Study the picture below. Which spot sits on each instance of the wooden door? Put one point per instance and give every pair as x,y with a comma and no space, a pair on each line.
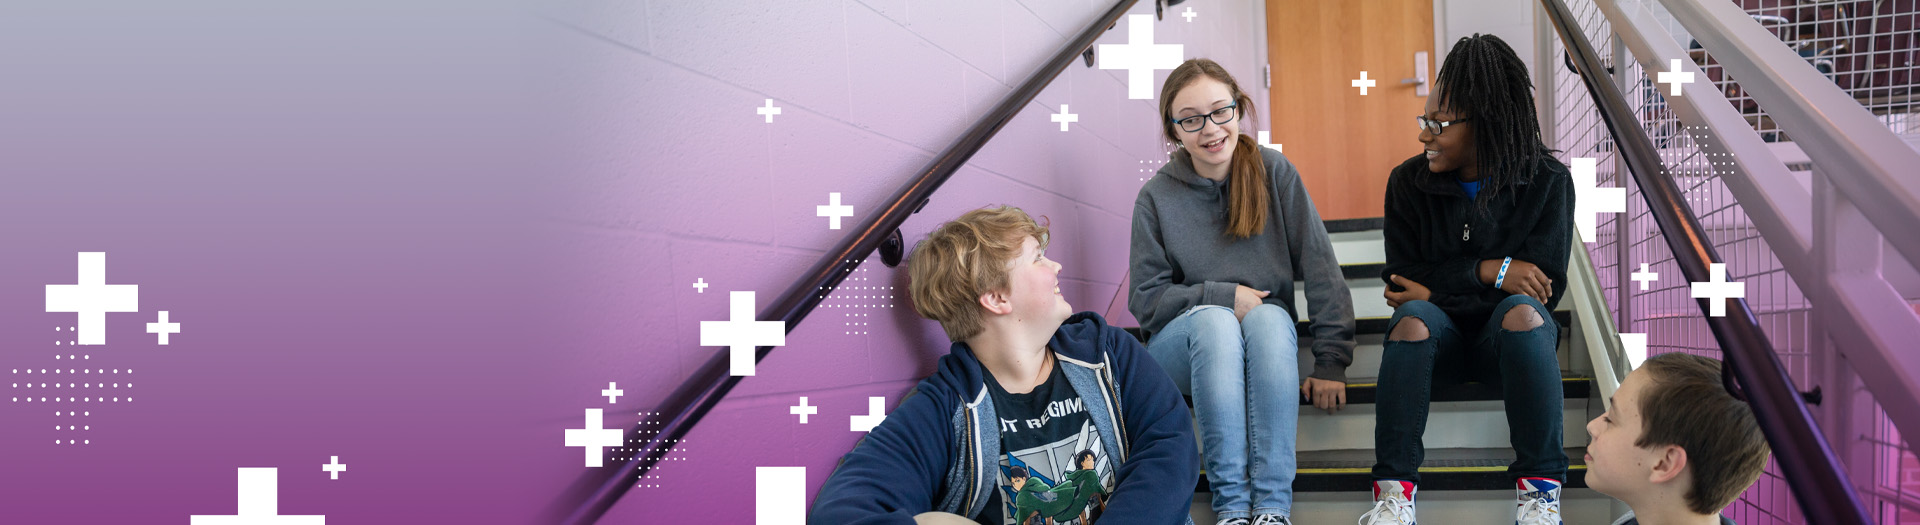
1345,143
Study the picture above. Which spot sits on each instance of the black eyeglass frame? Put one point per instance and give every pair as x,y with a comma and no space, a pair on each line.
1436,127
1204,117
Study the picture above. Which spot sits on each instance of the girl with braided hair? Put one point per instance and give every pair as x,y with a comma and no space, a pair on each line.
1477,234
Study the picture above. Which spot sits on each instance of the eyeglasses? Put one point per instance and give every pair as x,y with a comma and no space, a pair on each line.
1437,126
1219,116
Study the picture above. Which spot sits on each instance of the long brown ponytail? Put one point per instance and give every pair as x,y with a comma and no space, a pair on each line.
1248,194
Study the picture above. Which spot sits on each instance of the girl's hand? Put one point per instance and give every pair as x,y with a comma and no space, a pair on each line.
1415,291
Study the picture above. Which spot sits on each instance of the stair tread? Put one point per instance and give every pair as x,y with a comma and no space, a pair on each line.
1355,225
1443,469
1363,390
1369,326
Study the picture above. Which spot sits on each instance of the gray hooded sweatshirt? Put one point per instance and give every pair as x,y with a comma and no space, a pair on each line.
1182,256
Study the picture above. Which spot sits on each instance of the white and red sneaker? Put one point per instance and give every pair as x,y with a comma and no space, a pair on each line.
1538,502
1392,503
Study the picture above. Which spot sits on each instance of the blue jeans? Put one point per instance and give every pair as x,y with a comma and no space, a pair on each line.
1524,364
1244,377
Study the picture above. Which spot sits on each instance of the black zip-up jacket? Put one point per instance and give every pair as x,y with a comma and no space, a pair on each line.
1437,237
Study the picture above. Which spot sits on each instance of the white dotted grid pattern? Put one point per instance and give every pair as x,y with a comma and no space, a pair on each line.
651,481
853,294
101,383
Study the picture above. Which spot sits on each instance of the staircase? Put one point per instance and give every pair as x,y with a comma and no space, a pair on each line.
1464,477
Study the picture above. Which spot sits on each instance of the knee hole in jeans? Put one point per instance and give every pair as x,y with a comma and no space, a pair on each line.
1409,329
1521,318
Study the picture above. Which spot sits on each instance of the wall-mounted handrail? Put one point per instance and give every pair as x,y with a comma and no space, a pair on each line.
589,497
1818,483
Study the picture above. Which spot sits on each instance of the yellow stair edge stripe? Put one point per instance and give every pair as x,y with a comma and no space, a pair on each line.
1357,385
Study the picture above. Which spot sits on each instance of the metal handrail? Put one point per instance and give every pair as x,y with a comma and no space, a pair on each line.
588,498
1819,484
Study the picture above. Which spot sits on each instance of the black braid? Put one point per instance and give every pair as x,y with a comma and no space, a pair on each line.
1483,79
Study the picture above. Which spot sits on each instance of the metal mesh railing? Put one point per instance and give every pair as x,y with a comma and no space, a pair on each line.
1666,310
1869,48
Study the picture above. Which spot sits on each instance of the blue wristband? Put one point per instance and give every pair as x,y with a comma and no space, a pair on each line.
1502,279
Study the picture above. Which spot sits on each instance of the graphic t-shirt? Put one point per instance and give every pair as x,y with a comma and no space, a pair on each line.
1052,448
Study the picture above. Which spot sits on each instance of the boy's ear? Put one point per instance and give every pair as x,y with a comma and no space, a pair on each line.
1671,461
997,302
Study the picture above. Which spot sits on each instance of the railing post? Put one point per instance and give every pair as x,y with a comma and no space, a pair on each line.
1843,241
1623,232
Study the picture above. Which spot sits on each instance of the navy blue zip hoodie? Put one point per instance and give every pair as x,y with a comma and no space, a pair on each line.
940,449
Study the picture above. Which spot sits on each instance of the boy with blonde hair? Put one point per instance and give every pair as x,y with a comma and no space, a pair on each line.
1027,387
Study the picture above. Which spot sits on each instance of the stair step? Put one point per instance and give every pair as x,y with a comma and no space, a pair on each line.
1577,507
1355,225
1369,326
1445,469
1362,391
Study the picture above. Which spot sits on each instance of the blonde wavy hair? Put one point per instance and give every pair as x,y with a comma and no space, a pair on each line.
964,259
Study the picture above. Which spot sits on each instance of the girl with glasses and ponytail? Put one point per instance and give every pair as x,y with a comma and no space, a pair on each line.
1220,235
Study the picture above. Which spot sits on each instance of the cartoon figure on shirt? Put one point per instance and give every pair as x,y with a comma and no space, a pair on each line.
1034,501
1085,482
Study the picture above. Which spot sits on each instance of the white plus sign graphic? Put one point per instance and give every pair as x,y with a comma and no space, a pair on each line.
259,503
833,211
1266,141
803,410
1063,117
91,297
876,412
1645,277
612,392
334,467
1673,77
741,334
163,327
768,111
1718,290
1140,56
1363,83
594,437
700,285
1636,347
1590,200
1189,14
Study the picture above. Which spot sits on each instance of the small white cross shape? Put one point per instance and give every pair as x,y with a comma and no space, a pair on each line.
741,334
1645,277
612,392
1063,117
700,285
1189,14
803,410
1363,83
768,111
833,210
594,437
163,327
1673,77
1717,290
334,467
